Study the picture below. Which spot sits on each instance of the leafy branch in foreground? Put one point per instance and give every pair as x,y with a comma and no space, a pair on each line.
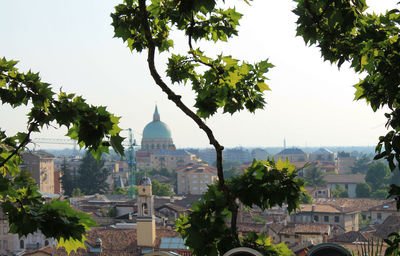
344,31
221,82
93,127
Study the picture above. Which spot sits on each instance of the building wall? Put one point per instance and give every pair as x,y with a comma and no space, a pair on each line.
42,170
292,157
194,183
348,221
171,162
344,164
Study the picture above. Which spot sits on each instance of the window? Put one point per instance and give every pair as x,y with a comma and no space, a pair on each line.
21,244
336,219
5,244
379,215
346,186
286,236
316,218
5,229
326,218
46,243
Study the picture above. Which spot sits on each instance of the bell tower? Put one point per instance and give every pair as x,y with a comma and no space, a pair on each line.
146,225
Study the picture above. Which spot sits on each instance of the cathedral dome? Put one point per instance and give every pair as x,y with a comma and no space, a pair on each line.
156,129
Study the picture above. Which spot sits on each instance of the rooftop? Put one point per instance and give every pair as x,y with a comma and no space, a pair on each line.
306,228
345,178
197,169
291,151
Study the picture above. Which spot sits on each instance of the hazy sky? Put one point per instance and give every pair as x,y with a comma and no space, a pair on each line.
71,44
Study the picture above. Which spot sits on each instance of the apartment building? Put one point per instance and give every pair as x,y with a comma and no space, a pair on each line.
343,218
41,165
193,179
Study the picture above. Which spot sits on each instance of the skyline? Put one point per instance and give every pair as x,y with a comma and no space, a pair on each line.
311,102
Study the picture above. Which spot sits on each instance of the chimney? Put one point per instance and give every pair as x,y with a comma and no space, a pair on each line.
325,238
341,208
313,207
172,199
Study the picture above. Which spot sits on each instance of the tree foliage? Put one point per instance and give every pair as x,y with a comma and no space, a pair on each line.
378,175
92,175
93,127
314,177
363,190
340,192
344,31
161,189
361,165
222,82
67,180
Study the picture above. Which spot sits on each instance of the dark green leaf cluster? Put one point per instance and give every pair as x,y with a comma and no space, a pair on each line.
370,42
269,183
93,127
265,184
219,83
28,212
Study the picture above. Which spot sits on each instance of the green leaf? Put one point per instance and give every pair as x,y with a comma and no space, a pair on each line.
263,87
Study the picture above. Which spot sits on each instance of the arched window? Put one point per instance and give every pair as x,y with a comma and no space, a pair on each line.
21,244
145,210
46,243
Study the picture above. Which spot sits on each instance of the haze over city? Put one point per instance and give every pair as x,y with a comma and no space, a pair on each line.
71,44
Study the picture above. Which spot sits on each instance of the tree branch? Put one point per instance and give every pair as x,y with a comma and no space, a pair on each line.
177,100
21,145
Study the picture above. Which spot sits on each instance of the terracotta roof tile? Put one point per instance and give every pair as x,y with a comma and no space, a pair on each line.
345,178
305,228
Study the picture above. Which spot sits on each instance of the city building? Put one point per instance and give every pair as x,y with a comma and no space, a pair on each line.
259,154
292,154
145,221
344,162
342,218
156,137
11,244
240,155
41,165
172,159
323,155
347,181
193,179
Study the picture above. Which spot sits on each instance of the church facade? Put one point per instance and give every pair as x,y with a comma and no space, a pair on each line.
156,137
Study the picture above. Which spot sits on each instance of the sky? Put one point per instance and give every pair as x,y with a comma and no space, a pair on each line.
71,44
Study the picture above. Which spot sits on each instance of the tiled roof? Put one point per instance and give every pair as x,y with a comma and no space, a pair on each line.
291,151
118,242
388,206
361,204
197,169
305,228
323,151
301,247
389,225
276,227
319,208
345,178
40,153
173,206
352,236
178,152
